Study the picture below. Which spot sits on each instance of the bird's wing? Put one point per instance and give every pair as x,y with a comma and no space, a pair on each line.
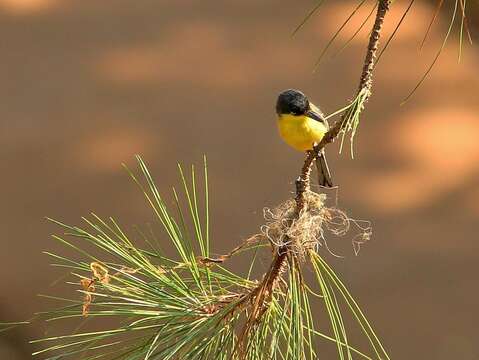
316,114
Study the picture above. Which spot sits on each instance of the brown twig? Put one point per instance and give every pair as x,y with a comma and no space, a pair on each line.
208,261
259,297
365,84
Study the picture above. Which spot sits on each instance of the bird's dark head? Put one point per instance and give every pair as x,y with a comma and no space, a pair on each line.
292,102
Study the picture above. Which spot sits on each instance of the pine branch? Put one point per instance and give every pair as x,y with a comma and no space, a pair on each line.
259,297
187,309
364,92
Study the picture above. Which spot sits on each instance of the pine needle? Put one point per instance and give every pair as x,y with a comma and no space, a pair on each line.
395,30
358,30
307,17
464,25
179,307
336,34
433,20
446,37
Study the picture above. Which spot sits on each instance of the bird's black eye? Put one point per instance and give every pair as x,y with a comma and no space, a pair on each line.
296,110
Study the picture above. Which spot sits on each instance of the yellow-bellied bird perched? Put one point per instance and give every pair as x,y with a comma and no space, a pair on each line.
302,125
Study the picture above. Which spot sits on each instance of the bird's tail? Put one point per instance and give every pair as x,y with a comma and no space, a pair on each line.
324,176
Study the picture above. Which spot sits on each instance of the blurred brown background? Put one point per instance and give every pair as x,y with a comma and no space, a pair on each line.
85,85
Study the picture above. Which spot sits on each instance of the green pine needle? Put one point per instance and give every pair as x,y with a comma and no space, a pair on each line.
176,307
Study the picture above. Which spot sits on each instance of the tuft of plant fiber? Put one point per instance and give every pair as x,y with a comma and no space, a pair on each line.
308,230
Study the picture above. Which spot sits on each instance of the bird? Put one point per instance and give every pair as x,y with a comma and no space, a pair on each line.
302,125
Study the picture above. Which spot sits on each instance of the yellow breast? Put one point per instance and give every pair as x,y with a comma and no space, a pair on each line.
300,132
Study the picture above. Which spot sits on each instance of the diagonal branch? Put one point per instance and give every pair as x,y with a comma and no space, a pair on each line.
257,300
365,84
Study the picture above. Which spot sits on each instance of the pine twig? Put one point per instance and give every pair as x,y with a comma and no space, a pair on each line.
365,84
303,182
258,298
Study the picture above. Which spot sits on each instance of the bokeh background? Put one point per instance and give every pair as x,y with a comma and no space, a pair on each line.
85,85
